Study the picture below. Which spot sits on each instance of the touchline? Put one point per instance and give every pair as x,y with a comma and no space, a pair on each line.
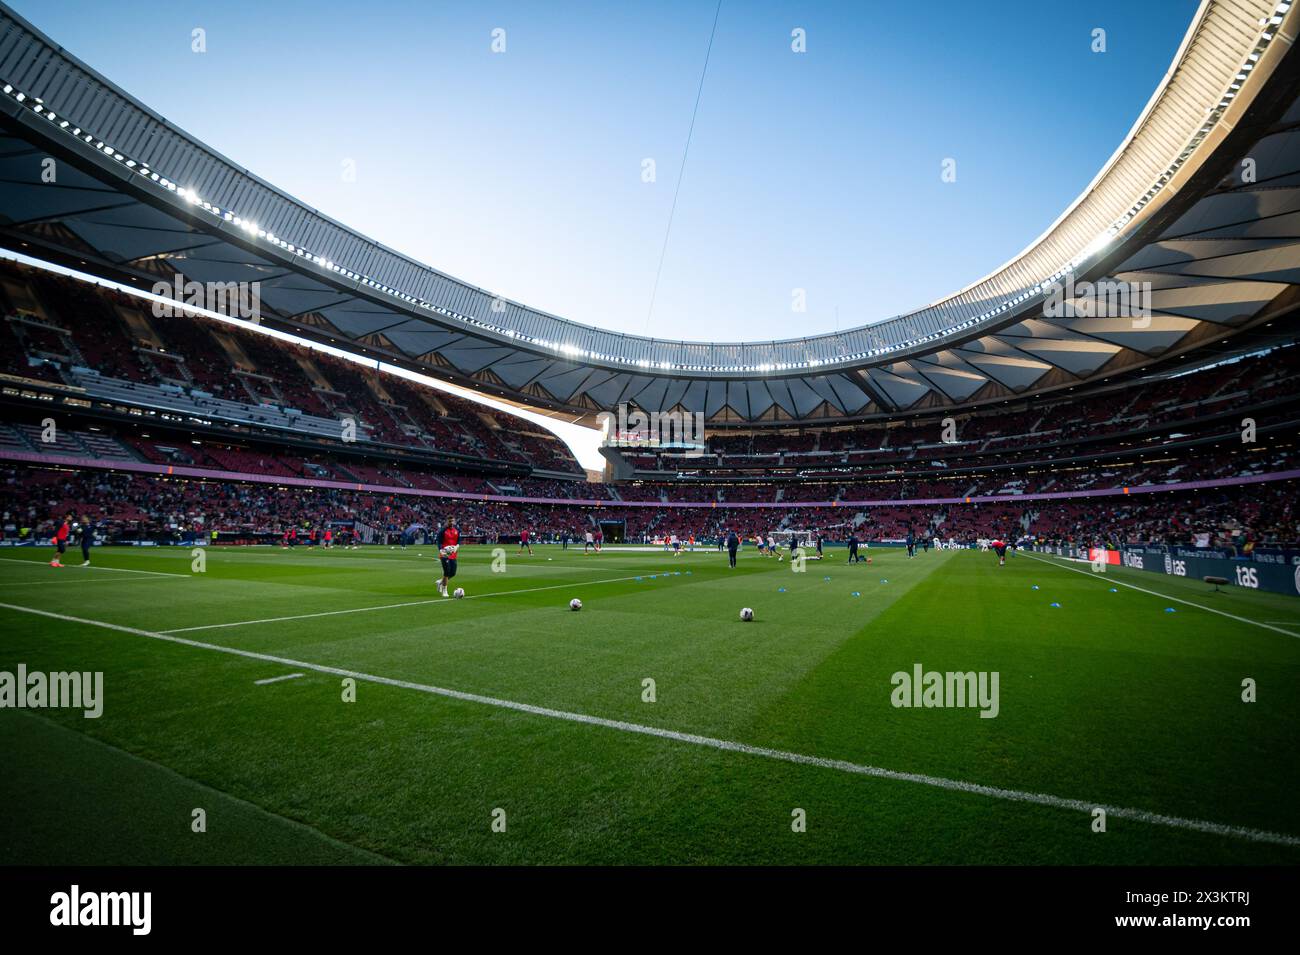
34,690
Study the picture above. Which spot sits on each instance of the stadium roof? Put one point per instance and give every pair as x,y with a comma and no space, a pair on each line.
1197,213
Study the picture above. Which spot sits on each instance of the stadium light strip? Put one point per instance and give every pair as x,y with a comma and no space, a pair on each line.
568,349
583,442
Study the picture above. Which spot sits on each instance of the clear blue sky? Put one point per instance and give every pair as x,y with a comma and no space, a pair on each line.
521,171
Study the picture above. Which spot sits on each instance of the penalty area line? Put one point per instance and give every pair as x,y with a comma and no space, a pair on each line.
278,679
1156,593
408,603
120,570
74,579
858,769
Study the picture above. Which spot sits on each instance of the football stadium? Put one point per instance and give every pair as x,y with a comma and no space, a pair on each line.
313,554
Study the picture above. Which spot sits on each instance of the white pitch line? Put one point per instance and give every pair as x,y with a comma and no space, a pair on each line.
1156,593
937,782
120,570
73,579
409,603
277,679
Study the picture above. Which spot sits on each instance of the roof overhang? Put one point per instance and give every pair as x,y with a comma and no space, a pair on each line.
1170,216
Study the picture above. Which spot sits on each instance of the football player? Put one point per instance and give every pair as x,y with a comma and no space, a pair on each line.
448,547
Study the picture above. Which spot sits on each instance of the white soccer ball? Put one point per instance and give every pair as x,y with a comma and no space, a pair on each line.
746,614
575,604
458,592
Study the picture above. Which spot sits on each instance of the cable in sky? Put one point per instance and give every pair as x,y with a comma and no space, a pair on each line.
681,173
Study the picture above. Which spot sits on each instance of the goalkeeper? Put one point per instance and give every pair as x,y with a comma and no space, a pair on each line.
448,546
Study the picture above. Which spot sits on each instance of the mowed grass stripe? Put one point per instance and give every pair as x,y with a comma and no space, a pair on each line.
75,565
1105,693
716,674
414,603
955,785
332,582
1155,593
414,777
142,811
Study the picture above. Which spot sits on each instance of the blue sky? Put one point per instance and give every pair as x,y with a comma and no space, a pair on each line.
522,171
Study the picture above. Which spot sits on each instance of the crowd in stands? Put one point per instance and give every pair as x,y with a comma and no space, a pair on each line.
53,327
114,445
1164,430
54,324
1200,404
152,507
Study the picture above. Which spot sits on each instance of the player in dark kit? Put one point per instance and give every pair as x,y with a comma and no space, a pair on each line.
86,538
448,546
1000,548
853,548
733,545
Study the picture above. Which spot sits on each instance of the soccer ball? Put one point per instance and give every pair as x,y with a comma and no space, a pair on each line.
746,614
458,592
575,604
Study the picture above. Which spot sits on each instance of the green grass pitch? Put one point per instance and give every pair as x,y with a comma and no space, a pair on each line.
1105,700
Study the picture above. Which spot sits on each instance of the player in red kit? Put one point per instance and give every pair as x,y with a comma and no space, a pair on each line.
60,540
448,546
524,542
1000,548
